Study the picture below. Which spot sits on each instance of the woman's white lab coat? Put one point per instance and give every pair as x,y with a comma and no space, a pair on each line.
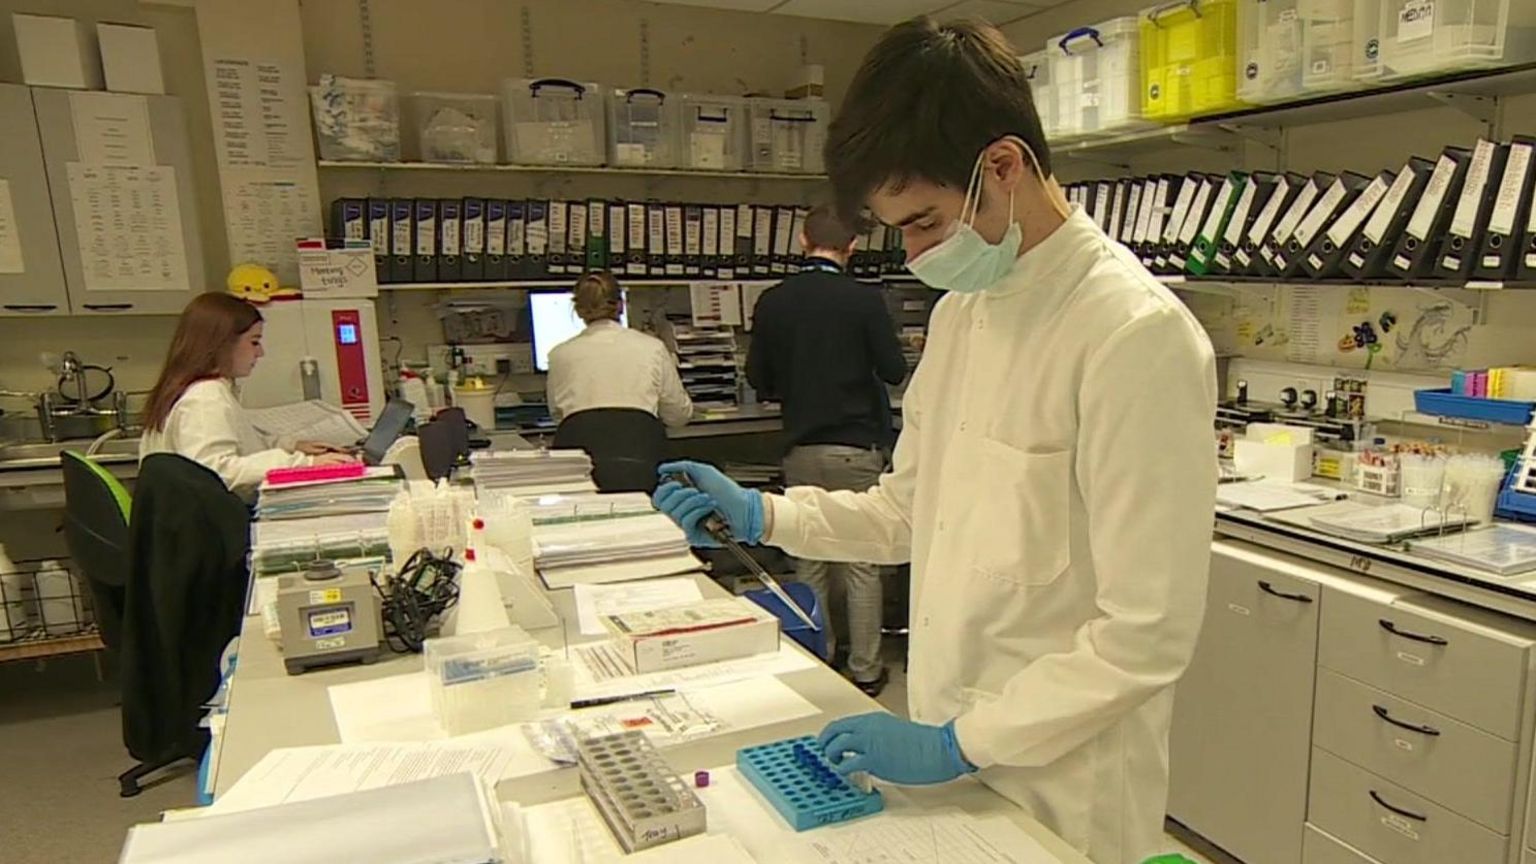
1053,488
208,425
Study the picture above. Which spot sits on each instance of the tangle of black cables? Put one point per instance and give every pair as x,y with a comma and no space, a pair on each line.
419,590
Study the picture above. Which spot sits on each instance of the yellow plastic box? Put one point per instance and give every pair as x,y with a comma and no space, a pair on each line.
1188,59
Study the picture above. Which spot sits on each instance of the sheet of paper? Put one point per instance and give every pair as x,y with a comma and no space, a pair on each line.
128,227
1268,497
715,305
10,240
291,774
398,708
267,209
1305,324
601,670
750,294
112,129
255,123
571,832
313,420
290,531
620,571
593,601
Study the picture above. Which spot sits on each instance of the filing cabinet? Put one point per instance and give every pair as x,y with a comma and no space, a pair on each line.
1320,848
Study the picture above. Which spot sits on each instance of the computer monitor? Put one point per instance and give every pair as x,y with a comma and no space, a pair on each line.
554,321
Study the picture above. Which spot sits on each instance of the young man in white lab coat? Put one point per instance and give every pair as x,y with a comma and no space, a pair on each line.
1054,479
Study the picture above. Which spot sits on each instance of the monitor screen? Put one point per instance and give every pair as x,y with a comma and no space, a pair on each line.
554,321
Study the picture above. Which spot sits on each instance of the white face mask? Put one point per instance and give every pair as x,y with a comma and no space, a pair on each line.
964,262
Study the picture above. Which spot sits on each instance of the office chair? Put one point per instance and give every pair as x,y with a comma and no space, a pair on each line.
96,507
187,579
626,446
444,442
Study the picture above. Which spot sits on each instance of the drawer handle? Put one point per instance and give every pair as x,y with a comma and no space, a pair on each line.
1411,727
1270,589
1409,814
1417,637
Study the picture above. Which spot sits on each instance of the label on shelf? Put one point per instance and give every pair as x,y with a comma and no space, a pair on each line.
1234,234
1382,218
1503,219
1434,193
1267,216
1344,226
1465,220
1416,20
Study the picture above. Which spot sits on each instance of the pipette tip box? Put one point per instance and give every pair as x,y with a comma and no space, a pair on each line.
800,784
707,631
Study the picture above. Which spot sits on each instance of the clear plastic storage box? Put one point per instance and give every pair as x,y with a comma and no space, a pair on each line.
1188,59
1423,37
786,135
553,121
356,119
1338,39
455,127
1095,76
482,680
713,132
1037,71
642,129
1269,50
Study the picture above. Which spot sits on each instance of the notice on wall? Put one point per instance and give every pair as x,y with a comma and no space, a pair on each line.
112,129
258,122
128,227
10,241
266,210
750,294
716,305
1305,325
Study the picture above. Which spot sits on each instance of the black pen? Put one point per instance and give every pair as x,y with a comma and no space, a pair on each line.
610,700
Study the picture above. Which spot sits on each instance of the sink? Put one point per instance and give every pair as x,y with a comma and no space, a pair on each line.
47,453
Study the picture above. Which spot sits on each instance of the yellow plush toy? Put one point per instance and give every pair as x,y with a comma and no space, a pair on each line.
257,284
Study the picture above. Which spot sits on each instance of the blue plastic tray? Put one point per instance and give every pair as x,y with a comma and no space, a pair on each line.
800,784
1444,403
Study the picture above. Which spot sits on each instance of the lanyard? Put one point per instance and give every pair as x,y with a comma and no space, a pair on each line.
821,265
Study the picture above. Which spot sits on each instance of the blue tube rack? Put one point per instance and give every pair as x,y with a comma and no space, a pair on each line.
800,784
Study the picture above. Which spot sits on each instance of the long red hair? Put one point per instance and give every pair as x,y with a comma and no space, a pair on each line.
205,338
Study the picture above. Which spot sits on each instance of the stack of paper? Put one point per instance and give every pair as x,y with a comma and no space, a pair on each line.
314,420
1384,524
444,820
284,545
1265,497
1503,549
636,542
535,470
370,493
587,506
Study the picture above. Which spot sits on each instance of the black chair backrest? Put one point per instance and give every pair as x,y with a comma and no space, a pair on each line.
97,535
626,446
444,442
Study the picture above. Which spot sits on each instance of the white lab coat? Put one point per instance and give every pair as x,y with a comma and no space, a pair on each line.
209,426
608,365
1053,488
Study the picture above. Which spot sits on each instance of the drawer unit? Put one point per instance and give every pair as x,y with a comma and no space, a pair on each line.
1320,848
1387,822
1463,662
1461,768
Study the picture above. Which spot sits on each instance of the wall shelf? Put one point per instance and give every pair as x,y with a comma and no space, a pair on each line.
556,169
627,282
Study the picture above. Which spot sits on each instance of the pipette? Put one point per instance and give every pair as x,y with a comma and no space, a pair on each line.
714,525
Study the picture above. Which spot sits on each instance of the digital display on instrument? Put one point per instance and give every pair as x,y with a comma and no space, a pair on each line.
346,334
330,621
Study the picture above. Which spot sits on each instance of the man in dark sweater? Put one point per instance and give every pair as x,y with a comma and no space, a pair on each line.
823,344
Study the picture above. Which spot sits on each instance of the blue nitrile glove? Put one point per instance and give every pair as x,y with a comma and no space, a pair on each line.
894,749
712,492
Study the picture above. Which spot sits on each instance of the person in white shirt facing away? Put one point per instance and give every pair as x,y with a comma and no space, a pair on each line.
194,409
607,365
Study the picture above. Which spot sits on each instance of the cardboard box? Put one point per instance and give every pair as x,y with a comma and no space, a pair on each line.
57,52
130,58
705,632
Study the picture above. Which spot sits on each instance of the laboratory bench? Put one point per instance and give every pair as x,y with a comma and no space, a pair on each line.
267,709
1356,704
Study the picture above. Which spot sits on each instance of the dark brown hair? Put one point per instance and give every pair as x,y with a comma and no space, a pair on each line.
597,296
824,230
205,337
925,102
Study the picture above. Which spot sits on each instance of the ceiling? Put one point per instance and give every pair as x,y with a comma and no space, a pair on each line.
998,12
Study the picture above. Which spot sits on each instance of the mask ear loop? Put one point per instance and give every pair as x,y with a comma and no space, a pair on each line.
973,188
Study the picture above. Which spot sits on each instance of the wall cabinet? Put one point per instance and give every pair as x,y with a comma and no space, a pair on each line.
31,274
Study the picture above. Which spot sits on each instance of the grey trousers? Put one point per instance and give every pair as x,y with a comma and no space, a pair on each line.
833,466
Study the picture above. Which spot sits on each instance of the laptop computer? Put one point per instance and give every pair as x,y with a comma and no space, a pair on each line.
386,430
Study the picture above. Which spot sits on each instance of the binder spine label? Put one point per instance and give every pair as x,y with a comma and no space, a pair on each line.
1505,206
1266,217
1234,233
1434,194
1465,220
1196,212
1381,219
1309,226
1344,226
1181,207
1293,216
